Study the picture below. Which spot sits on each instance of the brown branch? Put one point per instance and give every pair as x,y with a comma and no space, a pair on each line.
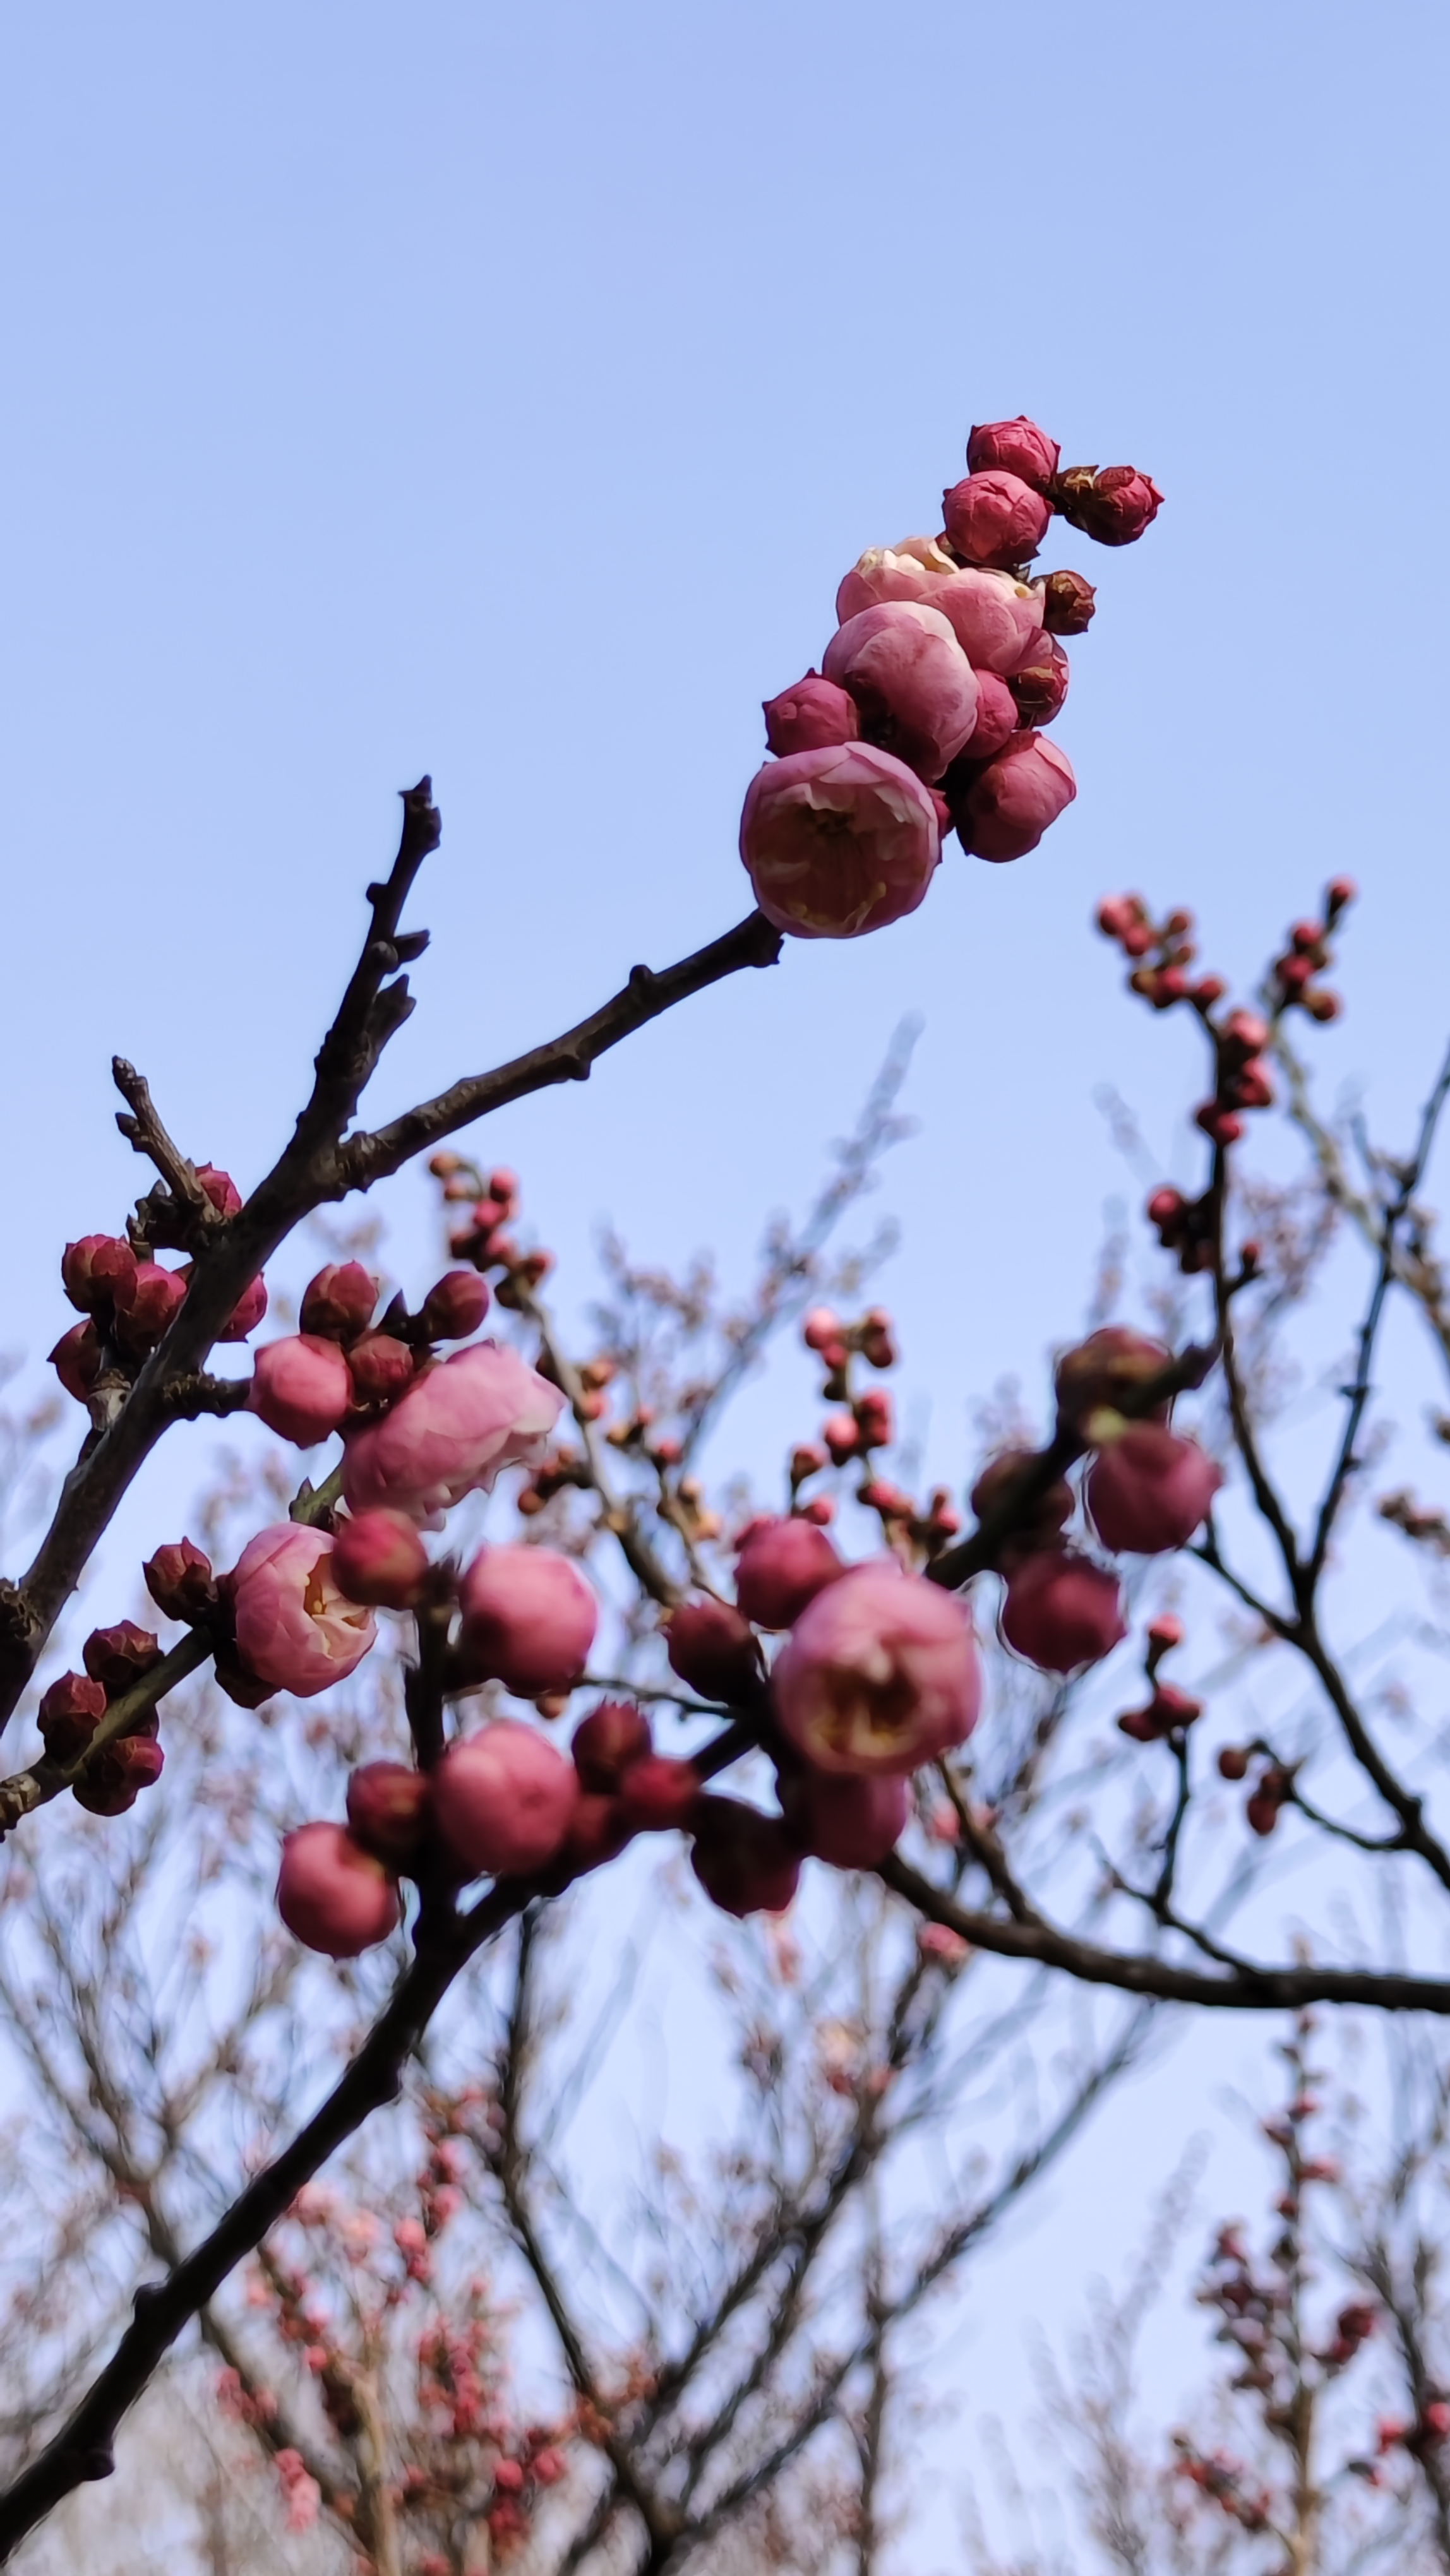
1252,1988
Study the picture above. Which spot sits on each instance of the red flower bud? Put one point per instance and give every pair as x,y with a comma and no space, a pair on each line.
597,1832
378,1557
783,1565
996,519
220,1188
657,1795
1233,1762
811,716
1039,688
332,1895
179,1580
1115,506
1062,1612
1149,1489
69,1714
301,1388
1015,447
820,1329
113,1781
1106,1369
380,1367
613,1737
387,1810
746,1863
455,1307
76,1359
247,1313
92,1270
120,1656
146,1299
712,1648
1068,603
842,1435
850,1821
338,1304
504,1800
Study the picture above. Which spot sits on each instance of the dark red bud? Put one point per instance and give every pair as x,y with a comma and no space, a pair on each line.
606,1743
455,1307
69,1713
380,1367
179,1580
715,1650
339,1302
118,1657
220,1188
1068,603
92,1270
76,1359
387,1810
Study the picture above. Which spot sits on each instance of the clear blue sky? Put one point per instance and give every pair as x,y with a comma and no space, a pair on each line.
502,393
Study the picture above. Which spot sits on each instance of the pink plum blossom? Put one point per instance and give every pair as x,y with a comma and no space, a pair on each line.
910,570
459,1424
332,1895
529,1619
301,1388
295,1629
839,841
1005,808
503,1800
1148,1489
879,1673
912,683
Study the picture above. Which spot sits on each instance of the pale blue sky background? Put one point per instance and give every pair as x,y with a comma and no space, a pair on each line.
504,393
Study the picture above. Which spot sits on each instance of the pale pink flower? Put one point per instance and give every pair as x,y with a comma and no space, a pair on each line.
454,1431
295,1629
879,1673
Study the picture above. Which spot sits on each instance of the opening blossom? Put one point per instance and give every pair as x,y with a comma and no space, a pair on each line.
457,1427
838,841
295,1629
879,1673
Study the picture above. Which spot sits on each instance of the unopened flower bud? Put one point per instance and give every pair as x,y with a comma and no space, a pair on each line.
76,1359
220,1188
995,519
783,1565
613,1737
180,1581
842,1436
529,1619
378,1557
999,715
1339,892
301,1388
811,716
455,1306
380,1367
1002,810
1111,1365
1115,506
1062,1612
146,1299
114,1779
1016,447
658,1796
1068,603
247,1313
69,1713
332,1895
746,1863
1243,1034
820,1328
1039,688
387,1810
840,1817
914,687
715,1650
338,1304
1149,1489
120,1656
92,1270
1001,1486
1233,1762
503,1800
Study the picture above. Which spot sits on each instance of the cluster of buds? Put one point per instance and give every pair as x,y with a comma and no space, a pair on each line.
127,1299
927,713
1306,954
110,1781
1273,1786
1146,1490
1168,1710
341,1369
492,1200
863,1423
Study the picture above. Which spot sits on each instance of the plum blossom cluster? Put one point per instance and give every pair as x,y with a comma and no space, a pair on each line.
127,1298
928,713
